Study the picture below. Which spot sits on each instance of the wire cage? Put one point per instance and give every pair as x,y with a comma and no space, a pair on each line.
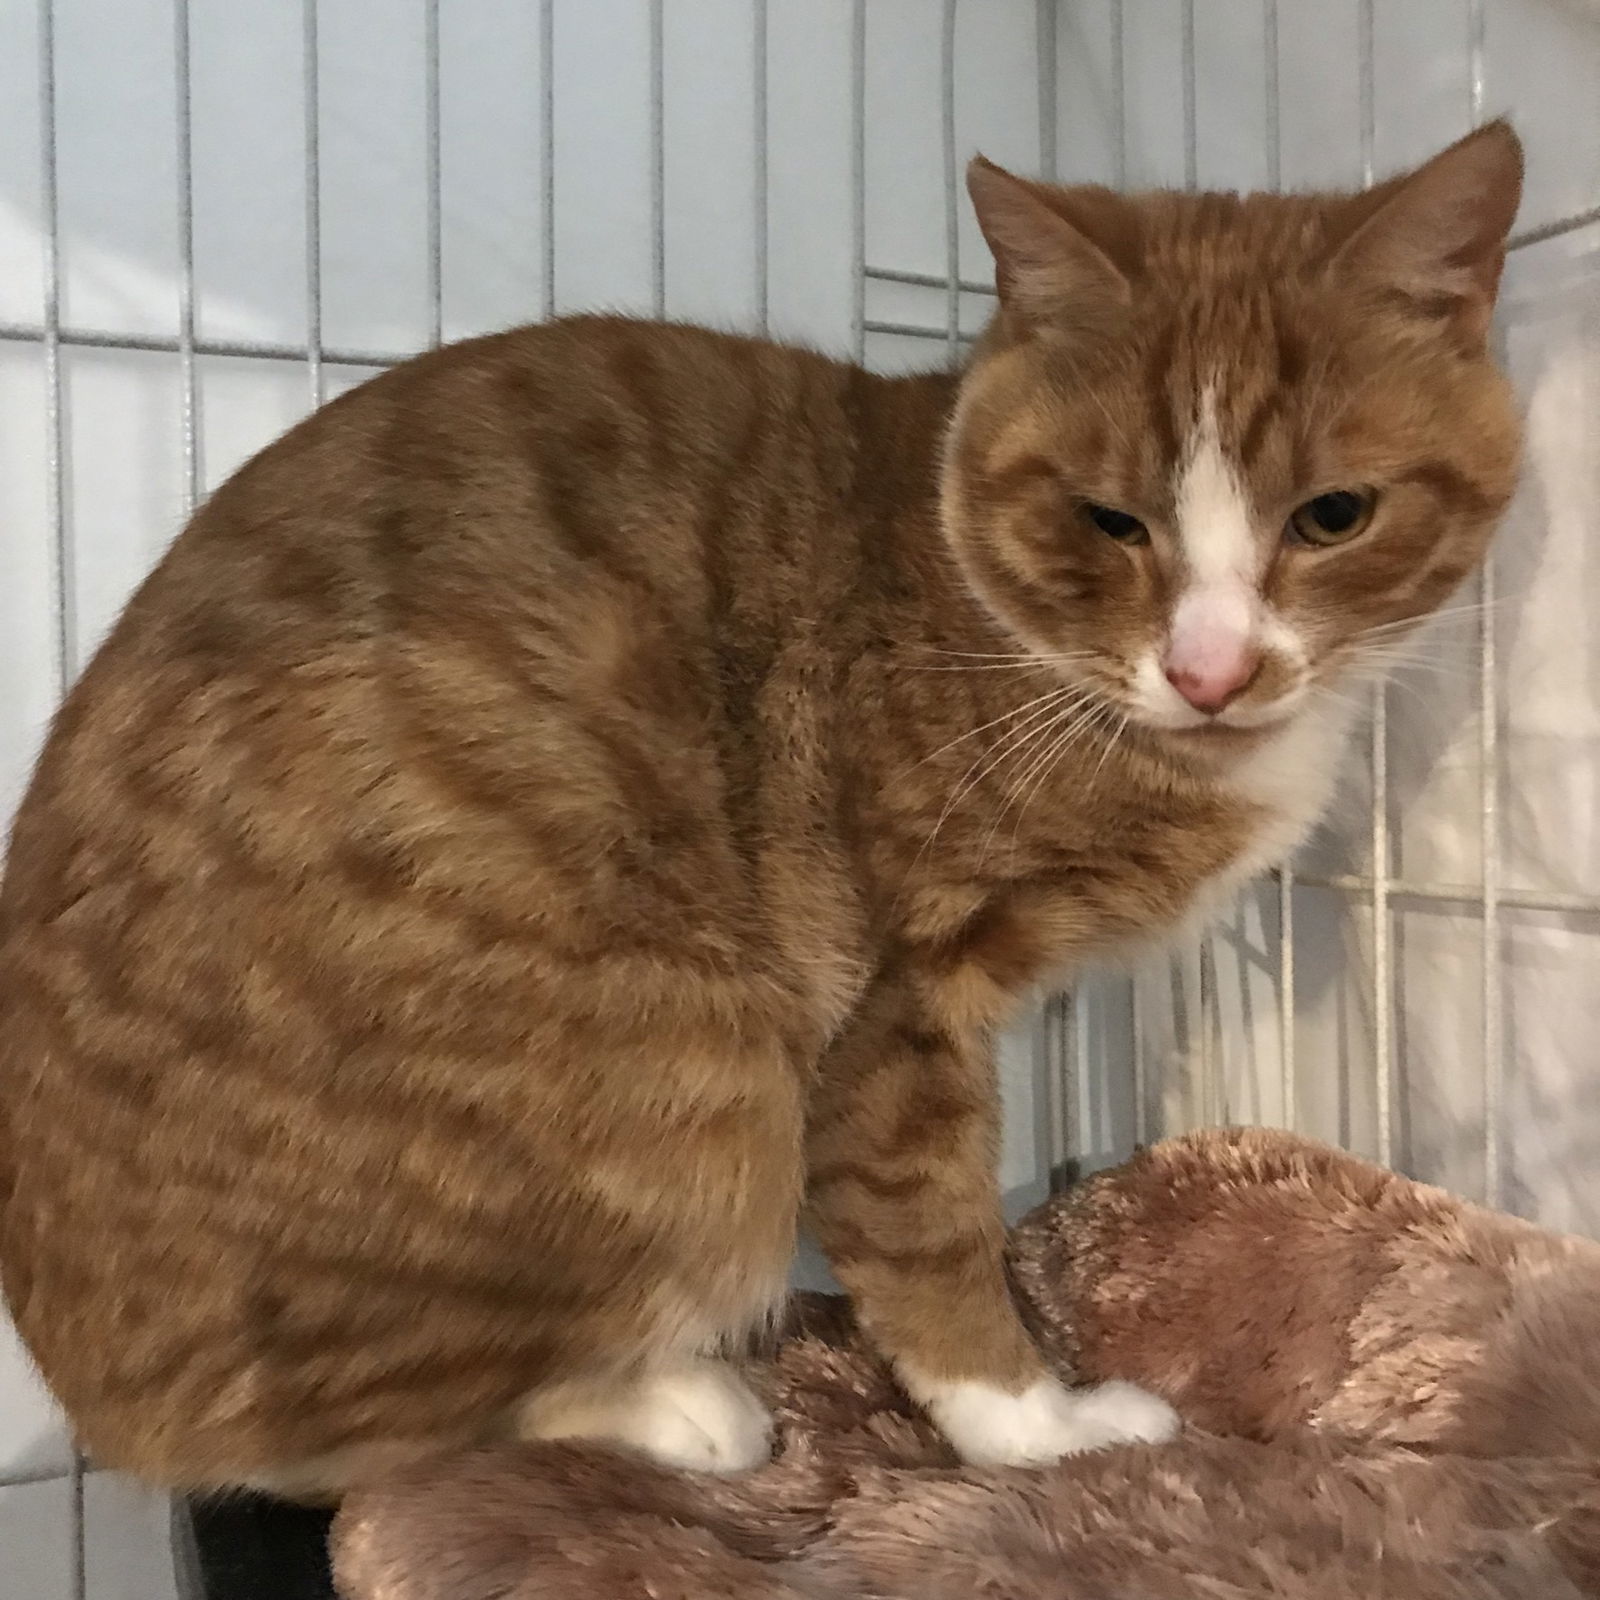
215,214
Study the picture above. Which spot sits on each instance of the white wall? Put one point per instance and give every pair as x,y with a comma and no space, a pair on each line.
124,483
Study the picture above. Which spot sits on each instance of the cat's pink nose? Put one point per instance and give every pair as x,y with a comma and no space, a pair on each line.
1214,683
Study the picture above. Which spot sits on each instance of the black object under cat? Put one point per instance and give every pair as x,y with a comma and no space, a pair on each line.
249,1547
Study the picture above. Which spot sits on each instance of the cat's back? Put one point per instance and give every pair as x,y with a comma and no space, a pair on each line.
473,652
550,452
592,514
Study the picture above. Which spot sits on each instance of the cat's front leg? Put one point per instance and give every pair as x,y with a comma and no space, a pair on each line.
902,1195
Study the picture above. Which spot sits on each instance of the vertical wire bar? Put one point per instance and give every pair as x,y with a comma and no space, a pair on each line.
547,146
1489,777
1079,1126
952,212
1119,97
1141,1080
1217,1105
1060,1117
188,420
435,174
1382,975
1054,1119
1365,48
1286,1000
1206,1093
311,91
1191,136
1288,1086
658,161
1210,1090
63,576
77,1524
762,176
1061,1017
1382,978
1119,170
858,176
1269,34
1045,35
1060,1008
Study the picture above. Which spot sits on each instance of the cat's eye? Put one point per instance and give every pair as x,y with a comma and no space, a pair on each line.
1331,518
1119,525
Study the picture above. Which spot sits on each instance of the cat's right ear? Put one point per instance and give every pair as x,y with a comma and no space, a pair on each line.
1436,237
1047,267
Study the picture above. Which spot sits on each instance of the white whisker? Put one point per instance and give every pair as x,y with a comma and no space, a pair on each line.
987,761
1111,742
1010,655
992,666
1050,695
1029,784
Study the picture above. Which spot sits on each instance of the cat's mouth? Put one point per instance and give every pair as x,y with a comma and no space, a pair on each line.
1227,734
1238,728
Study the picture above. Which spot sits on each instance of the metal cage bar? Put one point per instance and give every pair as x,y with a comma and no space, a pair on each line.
547,148
952,194
1489,770
1288,1087
1046,46
433,226
1382,964
188,405
1271,95
858,175
1211,1096
311,90
41,333
658,160
1119,96
763,182
63,576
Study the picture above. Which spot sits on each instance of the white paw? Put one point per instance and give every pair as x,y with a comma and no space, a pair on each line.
701,1418
989,1427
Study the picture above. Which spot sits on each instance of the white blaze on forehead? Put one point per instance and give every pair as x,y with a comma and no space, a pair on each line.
1218,608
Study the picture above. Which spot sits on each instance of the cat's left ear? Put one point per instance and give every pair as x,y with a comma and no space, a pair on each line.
1437,236
1049,246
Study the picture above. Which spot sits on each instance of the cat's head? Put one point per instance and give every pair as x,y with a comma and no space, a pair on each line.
1210,444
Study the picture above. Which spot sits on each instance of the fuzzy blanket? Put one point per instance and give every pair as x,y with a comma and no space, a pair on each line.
1388,1393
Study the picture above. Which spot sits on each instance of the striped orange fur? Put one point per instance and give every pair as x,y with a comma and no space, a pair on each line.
587,797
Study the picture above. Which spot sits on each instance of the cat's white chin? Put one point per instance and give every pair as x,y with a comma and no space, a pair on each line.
1046,1421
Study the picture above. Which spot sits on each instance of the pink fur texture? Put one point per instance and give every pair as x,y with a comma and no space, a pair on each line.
1389,1393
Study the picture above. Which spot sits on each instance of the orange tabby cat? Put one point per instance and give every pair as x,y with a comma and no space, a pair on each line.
593,792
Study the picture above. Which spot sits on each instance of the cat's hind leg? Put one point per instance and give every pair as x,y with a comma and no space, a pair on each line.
696,1414
709,1177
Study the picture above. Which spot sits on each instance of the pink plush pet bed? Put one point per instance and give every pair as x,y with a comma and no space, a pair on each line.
1389,1394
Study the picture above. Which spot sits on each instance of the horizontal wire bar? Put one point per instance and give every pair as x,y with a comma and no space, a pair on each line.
925,280
1453,893
914,330
28,1479
164,344
1554,230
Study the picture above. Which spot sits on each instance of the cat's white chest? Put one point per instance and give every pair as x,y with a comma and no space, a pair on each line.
1289,781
